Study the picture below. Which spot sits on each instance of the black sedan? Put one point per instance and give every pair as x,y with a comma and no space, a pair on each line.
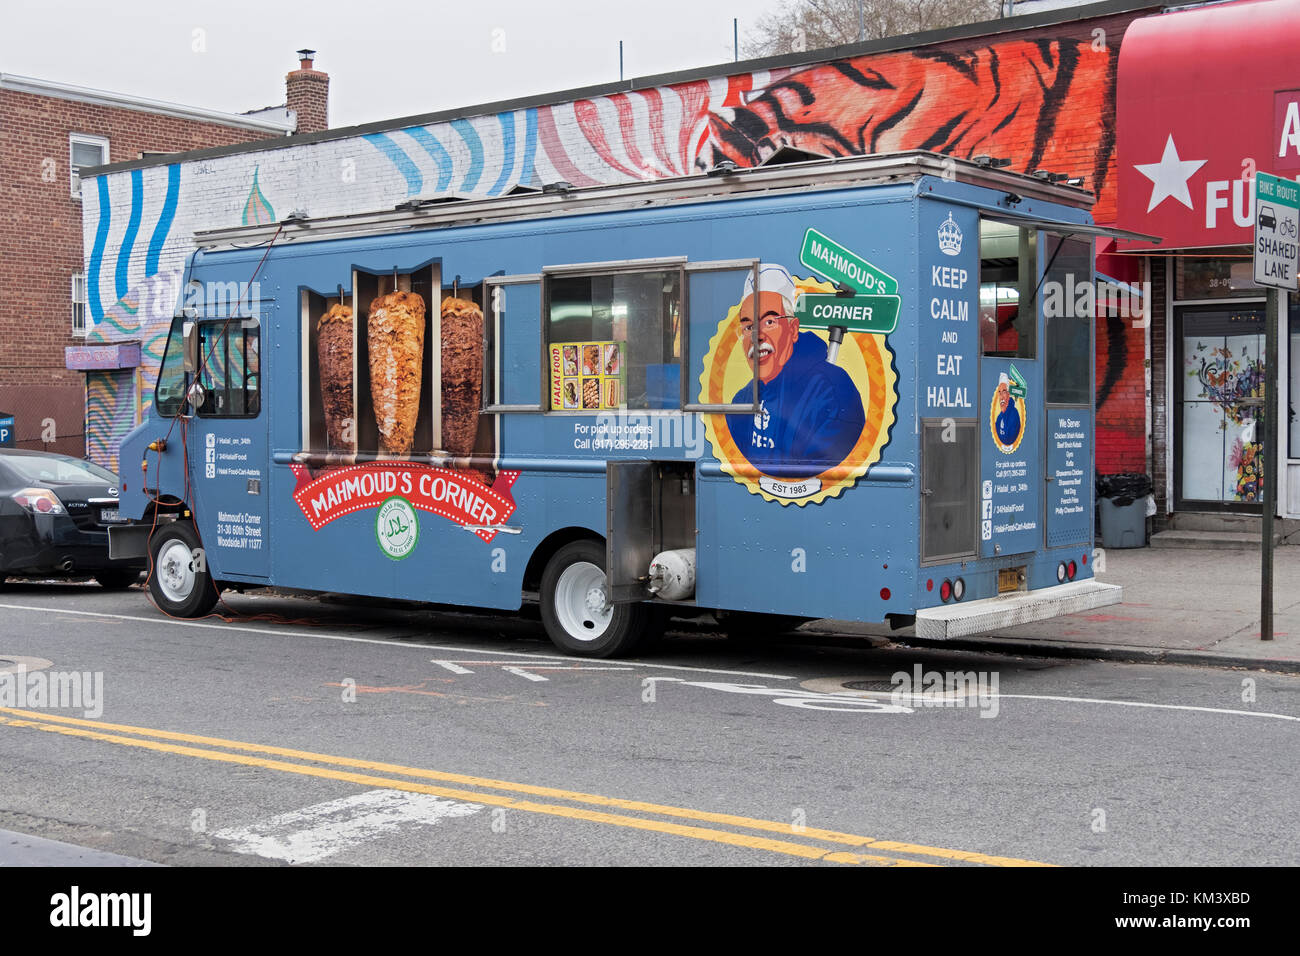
55,512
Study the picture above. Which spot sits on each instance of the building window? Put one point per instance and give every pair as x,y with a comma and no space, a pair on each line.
79,326
85,151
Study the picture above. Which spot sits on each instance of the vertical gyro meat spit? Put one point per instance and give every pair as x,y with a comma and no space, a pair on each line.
462,375
395,335
334,355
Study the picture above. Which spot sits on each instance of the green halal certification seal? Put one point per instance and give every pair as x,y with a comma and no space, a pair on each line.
397,528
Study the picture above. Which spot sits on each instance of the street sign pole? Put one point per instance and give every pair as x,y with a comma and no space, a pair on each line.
1276,261
1271,461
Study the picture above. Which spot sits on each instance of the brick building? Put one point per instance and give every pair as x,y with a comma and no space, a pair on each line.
49,132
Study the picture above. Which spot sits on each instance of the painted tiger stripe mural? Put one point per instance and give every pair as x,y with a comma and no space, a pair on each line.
1043,102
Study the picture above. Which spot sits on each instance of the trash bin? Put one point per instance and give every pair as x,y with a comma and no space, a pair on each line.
1122,501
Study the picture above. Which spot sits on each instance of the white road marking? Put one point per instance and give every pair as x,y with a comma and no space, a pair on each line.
1141,703
804,699
520,672
264,631
316,832
922,699
454,668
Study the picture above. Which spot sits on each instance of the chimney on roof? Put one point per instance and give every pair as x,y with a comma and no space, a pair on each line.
307,94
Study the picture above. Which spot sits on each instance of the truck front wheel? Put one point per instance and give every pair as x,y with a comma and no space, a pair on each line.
179,580
575,612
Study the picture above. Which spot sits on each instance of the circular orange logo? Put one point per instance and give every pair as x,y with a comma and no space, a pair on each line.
823,415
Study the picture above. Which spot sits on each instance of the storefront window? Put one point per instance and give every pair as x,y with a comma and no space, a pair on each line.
1206,277
1292,420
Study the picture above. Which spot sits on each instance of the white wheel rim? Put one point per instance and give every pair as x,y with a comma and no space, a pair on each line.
174,572
580,601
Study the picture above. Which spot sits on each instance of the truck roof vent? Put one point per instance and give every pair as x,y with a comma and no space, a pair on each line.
421,202
789,154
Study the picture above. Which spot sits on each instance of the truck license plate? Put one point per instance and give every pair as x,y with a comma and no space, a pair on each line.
1009,579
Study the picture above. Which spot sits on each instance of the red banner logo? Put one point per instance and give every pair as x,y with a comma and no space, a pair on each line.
456,495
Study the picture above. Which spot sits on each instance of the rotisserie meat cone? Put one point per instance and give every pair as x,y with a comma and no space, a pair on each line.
334,355
395,336
462,375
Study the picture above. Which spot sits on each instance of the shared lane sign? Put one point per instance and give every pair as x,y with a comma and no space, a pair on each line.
1277,231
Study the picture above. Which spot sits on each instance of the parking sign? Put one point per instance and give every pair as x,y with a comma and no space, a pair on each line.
1277,231
6,430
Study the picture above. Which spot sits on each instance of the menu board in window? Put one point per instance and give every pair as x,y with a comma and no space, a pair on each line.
588,376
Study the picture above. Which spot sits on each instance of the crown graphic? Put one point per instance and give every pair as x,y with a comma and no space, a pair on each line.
949,237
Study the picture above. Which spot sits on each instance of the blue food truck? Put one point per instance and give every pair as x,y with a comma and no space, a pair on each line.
858,389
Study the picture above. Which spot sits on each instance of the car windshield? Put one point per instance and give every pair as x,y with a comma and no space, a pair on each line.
38,468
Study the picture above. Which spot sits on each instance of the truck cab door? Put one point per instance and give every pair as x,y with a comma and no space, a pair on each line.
226,442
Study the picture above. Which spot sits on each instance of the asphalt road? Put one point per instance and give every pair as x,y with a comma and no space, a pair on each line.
354,735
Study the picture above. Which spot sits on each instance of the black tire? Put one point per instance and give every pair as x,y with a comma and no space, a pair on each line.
176,584
567,622
116,579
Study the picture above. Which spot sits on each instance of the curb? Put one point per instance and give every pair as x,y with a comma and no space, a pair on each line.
1106,652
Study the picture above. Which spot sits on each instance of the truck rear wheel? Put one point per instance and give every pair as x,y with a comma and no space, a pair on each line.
574,611
180,581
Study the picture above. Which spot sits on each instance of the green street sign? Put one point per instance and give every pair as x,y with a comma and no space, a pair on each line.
859,313
1019,387
827,257
1277,231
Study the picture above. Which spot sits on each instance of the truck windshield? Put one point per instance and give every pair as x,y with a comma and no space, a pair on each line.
170,390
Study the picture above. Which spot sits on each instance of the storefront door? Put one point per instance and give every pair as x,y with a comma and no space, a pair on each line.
1219,393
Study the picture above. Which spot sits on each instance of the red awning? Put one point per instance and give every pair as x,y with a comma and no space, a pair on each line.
1204,98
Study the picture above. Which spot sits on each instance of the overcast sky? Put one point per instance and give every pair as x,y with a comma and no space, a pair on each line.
385,58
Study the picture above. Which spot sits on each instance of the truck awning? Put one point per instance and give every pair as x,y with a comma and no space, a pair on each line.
1071,228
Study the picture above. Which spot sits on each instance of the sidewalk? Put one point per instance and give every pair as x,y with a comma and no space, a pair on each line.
1180,606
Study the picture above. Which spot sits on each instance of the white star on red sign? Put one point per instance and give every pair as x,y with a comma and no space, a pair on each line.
1169,176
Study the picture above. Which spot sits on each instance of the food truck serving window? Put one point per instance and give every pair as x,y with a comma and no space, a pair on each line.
1008,270
230,369
614,339
1068,305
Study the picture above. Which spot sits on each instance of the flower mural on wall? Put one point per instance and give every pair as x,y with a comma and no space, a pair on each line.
1232,383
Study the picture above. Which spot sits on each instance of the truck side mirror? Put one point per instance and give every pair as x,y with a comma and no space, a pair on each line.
190,346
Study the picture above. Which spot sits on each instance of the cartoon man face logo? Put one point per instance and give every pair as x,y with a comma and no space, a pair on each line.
778,331
821,419
1007,414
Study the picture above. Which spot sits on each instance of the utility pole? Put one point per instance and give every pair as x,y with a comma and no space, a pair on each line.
620,61
735,38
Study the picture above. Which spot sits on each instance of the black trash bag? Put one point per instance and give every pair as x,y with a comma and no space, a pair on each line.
1123,489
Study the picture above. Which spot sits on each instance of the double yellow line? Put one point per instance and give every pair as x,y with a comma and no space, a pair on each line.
238,752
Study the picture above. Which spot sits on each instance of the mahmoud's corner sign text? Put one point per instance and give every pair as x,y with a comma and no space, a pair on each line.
1277,231
858,313
827,257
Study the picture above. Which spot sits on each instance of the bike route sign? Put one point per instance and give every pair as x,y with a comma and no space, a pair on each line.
1277,231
